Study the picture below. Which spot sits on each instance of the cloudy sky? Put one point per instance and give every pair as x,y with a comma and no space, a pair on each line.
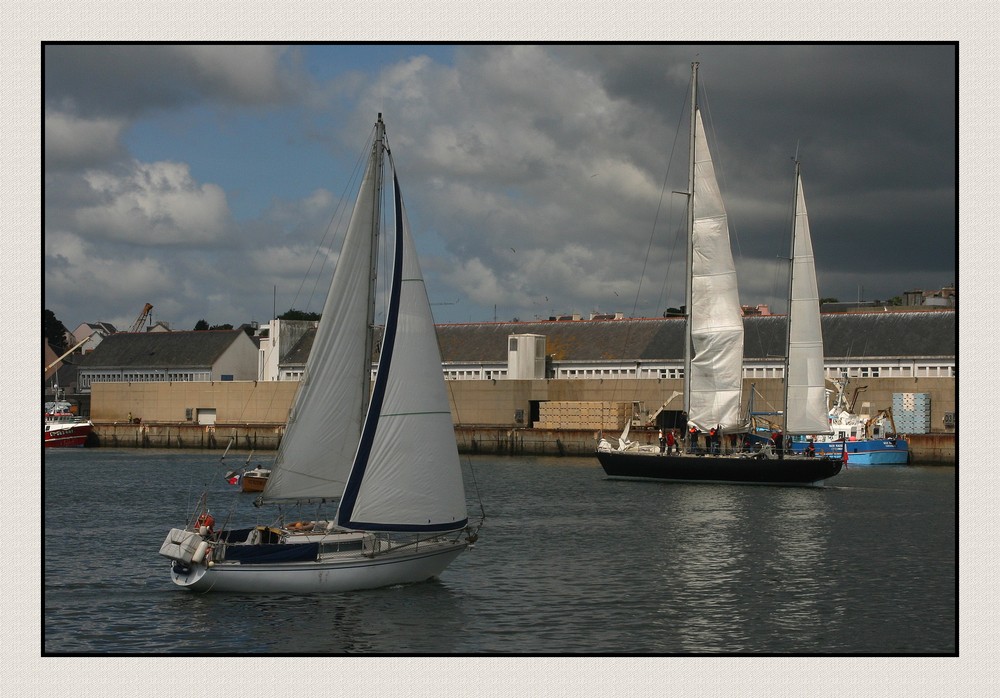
538,178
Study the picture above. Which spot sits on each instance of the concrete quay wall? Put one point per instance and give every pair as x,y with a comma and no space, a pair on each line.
492,416
499,440
261,437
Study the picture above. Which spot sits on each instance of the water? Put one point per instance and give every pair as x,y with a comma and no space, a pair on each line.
568,562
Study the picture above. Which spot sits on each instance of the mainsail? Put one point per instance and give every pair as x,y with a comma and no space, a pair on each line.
324,425
394,465
715,379
805,396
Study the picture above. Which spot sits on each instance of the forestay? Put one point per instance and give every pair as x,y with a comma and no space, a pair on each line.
391,458
324,425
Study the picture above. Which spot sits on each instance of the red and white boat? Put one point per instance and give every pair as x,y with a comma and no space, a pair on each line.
63,429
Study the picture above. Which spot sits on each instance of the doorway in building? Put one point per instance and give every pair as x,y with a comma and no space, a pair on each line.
533,412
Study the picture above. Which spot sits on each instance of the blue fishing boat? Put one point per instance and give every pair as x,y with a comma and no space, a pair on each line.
869,440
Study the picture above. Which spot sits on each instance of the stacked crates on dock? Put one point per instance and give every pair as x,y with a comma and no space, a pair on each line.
912,412
556,414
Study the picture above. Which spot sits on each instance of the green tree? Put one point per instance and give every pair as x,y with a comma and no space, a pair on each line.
53,331
201,325
294,314
221,327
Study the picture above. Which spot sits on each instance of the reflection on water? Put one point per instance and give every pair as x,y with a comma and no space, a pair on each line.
568,562
426,618
705,527
796,577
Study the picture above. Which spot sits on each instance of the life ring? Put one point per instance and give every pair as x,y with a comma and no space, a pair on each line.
206,520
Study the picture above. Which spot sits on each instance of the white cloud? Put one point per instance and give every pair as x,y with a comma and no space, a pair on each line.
75,269
557,152
72,141
478,281
154,203
288,262
518,148
245,73
135,79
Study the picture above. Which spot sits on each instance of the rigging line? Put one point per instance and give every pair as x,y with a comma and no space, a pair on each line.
721,174
720,171
677,236
479,496
335,223
667,276
338,214
645,261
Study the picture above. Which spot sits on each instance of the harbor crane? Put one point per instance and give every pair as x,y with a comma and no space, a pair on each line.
75,347
137,325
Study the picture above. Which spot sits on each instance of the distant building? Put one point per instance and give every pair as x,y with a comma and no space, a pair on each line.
97,331
917,343
278,341
219,355
906,344
946,297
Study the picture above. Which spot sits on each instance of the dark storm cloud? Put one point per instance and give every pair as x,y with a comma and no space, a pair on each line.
875,128
534,174
127,80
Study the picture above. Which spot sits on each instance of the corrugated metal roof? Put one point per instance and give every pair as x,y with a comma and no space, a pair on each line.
923,333
583,340
853,335
845,336
161,349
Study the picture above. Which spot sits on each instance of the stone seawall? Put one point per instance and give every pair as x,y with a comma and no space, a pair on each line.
262,437
500,440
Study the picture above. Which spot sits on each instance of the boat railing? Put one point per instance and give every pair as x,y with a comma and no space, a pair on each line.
383,544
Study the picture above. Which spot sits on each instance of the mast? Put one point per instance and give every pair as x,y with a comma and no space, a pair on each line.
690,241
791,281
377,148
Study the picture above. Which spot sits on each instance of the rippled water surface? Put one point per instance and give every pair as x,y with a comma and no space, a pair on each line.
567,562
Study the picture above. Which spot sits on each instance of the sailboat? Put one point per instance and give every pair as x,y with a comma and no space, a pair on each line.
713,362
383,449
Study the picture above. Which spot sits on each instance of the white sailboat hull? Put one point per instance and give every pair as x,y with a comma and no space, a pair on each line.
343,573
